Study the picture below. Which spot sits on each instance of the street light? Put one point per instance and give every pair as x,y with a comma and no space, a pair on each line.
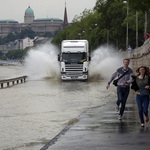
91,29
145,25
127,26
80,36
84,33
107,38
97,37
136,29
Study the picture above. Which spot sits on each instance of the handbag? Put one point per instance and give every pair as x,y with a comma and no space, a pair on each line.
143,91
116,81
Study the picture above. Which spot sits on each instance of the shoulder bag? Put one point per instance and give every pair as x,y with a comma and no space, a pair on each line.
116,81
143,91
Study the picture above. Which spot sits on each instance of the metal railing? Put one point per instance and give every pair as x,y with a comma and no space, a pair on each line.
13,80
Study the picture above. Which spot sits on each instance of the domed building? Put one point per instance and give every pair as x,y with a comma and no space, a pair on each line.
39,26
29,15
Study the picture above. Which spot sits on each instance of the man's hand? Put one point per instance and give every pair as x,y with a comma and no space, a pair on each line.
147,86
132,79
107,86
124,82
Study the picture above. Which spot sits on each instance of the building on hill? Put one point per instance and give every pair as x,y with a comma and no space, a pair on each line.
29,15
23,44
39,26
40,40
26,42
43,25
7,26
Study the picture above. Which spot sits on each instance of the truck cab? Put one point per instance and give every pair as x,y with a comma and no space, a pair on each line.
74,59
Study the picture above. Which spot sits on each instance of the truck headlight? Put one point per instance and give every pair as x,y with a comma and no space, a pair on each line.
84,76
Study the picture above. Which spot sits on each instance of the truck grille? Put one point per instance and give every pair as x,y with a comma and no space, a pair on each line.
74,69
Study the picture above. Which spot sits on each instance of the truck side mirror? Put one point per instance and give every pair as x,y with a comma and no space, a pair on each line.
58,57
89,58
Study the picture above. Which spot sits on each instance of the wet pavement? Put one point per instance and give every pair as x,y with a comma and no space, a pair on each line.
99,129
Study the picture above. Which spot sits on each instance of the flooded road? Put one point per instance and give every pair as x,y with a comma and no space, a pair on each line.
34,112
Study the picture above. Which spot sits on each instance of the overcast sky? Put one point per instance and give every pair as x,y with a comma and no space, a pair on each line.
15,9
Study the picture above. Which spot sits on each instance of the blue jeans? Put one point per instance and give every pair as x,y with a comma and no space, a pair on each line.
122,98
142,102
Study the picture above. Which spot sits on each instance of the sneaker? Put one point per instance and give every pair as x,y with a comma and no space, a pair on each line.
120,117
117,108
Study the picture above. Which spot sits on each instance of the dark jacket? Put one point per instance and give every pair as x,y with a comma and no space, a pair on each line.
134,85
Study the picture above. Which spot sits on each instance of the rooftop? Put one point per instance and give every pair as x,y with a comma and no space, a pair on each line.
47,19
8,21
29,11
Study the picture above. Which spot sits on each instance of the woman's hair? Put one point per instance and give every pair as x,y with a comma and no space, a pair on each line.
147,70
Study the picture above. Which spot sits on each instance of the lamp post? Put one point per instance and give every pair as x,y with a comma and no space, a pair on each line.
107,38
80,36
83,32
136,29
97,37
127,26
92,31
145,25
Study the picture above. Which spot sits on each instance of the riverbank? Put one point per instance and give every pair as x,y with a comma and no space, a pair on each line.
99,128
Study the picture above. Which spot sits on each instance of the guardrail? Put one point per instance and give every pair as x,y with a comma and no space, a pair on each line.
13,80
9,63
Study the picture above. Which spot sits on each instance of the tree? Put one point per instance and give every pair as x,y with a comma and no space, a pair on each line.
17,54
12,36
140,5
48,34
1,54
110,15
27,33
4,58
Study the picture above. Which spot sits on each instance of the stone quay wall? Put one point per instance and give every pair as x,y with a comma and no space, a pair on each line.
140,56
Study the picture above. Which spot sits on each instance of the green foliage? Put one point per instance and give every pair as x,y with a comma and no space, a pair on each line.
139,5
12,36
27,33
4,58
110,15
48,34
1,54
17,54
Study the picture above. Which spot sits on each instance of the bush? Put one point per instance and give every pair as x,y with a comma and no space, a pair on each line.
4,58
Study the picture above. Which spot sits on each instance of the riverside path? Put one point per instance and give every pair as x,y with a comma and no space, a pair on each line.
99,129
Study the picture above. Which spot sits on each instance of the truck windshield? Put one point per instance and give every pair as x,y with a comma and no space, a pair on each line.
74,57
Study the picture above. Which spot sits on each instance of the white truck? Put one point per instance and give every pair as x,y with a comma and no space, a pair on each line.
74,59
